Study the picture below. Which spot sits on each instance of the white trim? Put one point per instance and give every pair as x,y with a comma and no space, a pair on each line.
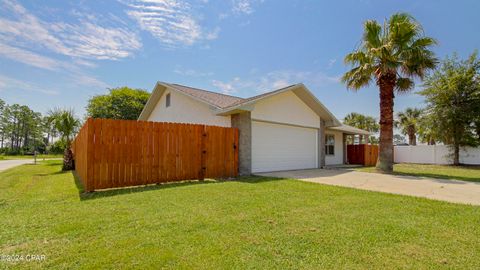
282,123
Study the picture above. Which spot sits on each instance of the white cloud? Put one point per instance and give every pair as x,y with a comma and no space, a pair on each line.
213,34
226,87
191,72
170,21
7,83
87,80
91,41
242,6
331,63
84,63
273,80
84,39
22,35
28,58
238,8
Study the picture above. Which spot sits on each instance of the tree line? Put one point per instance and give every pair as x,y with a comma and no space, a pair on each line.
24,131
21,129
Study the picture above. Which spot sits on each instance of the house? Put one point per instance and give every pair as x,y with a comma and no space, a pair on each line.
286,129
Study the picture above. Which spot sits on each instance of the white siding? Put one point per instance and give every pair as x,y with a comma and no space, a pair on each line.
286,108
184,109
336,159
280,147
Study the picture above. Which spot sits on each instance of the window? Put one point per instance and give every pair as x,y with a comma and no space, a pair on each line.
167,100
329,145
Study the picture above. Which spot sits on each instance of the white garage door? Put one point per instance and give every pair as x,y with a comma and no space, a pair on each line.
278,147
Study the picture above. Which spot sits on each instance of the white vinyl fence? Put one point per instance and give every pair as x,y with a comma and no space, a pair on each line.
435,154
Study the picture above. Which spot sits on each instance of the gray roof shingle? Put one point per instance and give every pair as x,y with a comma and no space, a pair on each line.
216,99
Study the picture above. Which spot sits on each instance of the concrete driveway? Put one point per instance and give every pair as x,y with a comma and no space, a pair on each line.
7,164
432,188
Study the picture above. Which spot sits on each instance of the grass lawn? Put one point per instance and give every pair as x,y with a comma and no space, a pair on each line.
8,157
465,173
256,222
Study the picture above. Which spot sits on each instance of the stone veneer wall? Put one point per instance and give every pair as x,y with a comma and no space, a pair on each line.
321,144
243,122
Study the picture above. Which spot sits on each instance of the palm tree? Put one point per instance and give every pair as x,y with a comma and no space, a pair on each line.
66,124
408,122
393,55
361,121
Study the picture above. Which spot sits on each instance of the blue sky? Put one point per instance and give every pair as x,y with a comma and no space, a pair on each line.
60,52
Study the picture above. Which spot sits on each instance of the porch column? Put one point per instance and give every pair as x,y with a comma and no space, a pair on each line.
243,122
321,144
345,160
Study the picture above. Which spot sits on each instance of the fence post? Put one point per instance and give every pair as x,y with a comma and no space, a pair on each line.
203,153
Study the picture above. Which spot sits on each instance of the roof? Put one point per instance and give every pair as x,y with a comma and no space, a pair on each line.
245,100
216,100
213,98
226,104
350,130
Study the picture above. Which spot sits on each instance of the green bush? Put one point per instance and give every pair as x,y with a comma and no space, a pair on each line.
57,147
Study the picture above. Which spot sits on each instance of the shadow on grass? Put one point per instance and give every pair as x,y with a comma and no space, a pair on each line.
53,173
44,163
104,193
442,178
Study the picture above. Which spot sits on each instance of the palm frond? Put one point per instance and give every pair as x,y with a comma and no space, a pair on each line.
404,84
372,34
357,58
358,77
398,47
424,42
403,28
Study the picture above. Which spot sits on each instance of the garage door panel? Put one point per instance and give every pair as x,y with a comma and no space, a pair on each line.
278,147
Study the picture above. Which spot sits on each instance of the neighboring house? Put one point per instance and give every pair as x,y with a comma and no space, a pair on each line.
285,129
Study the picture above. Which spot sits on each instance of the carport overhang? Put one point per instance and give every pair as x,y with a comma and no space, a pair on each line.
349,130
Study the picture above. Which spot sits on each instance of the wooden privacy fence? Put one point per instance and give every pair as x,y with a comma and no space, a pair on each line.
363,154
119,153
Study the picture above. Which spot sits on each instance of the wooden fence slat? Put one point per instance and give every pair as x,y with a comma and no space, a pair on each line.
179,137
136,153
362,154
89,184
162,152
123,158
148,152
175,138
97,157
127,155
143,157
151,152
117,153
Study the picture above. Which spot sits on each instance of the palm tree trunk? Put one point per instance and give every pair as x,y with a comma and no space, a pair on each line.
456,155
412,139
386,83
